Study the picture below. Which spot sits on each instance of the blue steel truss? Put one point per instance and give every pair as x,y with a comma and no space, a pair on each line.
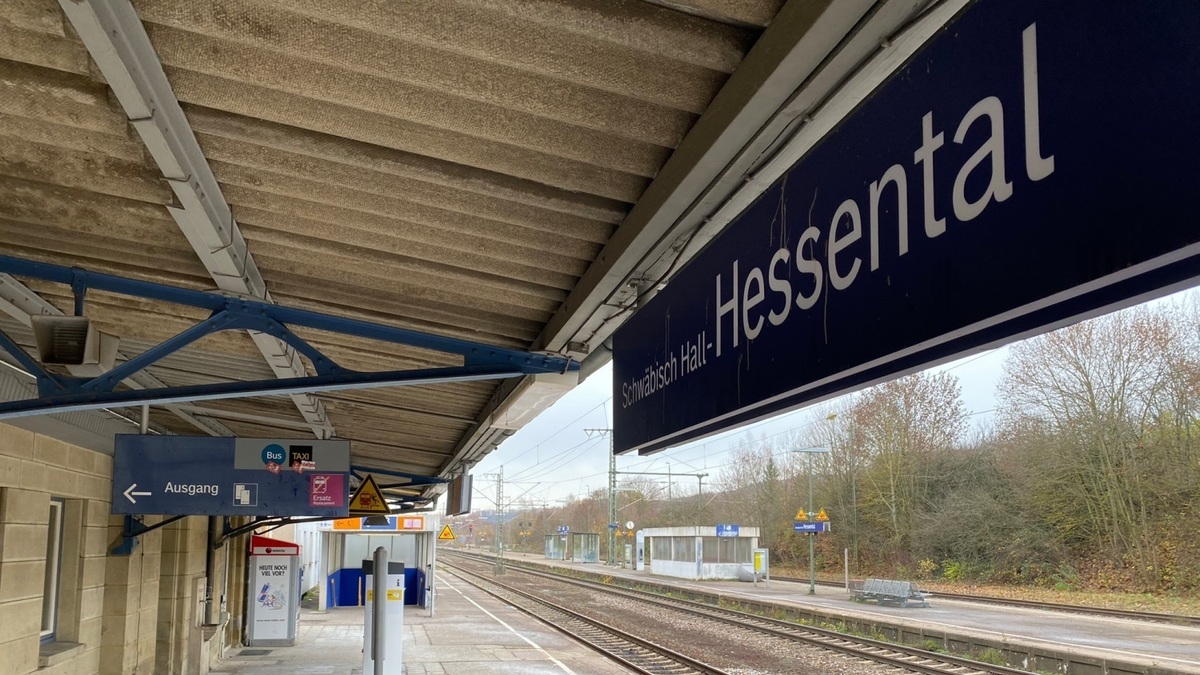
60,393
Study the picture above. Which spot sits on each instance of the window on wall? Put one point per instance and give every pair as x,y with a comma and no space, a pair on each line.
50,589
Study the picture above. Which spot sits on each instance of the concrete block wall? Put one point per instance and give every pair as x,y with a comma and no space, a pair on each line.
181,598
34,469
109,607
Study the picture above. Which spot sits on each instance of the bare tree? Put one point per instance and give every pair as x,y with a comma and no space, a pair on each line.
1104,412
896,425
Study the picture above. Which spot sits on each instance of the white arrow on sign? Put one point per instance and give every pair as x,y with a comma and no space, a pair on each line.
130,494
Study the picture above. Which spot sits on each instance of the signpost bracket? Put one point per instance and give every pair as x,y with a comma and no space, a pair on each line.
59,394
133,528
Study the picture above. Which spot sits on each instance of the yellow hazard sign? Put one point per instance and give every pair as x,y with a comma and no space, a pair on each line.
801,515
822,517
367,499
446,534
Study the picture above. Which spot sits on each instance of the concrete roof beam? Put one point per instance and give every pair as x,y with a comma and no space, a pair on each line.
534,48
202,33
326,117
227,66
278,171
251,133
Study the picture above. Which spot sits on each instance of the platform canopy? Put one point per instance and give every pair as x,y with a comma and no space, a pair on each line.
507,172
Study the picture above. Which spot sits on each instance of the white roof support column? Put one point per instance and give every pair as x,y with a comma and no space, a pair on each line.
118,43
19,302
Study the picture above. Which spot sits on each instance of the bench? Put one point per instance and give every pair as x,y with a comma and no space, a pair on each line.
888,592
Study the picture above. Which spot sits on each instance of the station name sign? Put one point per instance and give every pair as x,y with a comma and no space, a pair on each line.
1033,164
223,476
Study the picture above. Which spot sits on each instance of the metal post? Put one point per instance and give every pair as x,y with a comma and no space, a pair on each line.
854,508
500,521
430,587
812,564
612,502
379,630
846,565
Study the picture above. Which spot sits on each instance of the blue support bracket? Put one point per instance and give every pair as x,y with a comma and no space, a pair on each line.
79,289
59,394
133,528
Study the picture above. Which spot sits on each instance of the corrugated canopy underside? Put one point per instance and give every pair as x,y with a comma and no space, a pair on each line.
450,166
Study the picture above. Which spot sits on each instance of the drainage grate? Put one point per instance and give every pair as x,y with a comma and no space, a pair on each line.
254,652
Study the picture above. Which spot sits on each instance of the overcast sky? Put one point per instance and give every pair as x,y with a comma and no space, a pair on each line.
554,457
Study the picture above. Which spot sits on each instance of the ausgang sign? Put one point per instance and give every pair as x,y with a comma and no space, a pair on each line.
223,476
1036,163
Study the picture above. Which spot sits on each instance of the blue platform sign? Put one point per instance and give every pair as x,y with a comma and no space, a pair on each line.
1033,164
222,476
810,528
727,531
563,529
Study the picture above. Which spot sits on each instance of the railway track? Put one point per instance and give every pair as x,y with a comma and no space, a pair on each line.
1177,619
907,658
631,651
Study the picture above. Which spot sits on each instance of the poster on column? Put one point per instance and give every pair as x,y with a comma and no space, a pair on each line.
271,601
274,591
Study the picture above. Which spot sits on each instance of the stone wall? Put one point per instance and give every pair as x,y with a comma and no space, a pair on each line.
117,614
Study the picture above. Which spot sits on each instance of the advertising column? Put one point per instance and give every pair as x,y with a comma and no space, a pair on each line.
274,592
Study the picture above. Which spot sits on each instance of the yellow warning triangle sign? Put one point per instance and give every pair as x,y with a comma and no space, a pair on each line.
801,515
367,499
822,517
446,534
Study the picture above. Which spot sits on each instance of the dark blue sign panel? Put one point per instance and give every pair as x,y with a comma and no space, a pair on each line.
389,525
204,475
1035,163
811,528
728,530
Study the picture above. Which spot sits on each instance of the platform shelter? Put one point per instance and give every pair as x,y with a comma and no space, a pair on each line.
585,547
347,542
697,552
556,546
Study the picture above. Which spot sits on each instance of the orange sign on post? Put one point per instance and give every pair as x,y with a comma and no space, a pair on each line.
822,517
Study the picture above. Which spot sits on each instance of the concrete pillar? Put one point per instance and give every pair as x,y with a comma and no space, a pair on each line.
181,640
130,604
24,515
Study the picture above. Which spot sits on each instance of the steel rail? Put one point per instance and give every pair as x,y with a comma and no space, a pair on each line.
886,653
608,640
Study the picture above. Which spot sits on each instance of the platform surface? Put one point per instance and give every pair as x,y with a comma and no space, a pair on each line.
471,633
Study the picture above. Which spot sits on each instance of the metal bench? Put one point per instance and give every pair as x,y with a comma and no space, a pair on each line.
888,592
